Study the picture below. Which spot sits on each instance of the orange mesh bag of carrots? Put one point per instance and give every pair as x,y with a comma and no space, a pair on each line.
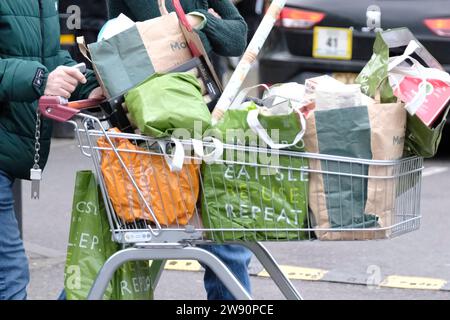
172,196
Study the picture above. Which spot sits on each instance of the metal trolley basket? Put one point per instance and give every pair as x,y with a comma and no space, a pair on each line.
157,240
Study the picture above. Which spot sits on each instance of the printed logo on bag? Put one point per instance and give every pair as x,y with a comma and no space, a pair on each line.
88,241
291,193
398,141
73,277
87,207
137,285
176,46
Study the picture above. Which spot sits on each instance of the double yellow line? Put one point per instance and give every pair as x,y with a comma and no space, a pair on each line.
313,274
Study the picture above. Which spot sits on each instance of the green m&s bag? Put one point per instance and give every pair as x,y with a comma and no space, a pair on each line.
259,196
90,246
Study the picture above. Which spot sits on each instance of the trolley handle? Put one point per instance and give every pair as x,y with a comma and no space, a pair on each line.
61,110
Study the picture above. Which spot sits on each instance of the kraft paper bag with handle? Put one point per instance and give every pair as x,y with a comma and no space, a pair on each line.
130,57
374,132
157,45
388,127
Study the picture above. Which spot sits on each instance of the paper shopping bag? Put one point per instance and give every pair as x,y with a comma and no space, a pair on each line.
131,56
347,194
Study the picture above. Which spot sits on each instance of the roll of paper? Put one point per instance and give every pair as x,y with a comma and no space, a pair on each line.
250,56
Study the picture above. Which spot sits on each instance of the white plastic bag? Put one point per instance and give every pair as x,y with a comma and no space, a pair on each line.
114,27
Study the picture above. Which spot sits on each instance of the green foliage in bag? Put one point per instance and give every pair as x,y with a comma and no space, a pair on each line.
420,140
166,102
255,195
90,246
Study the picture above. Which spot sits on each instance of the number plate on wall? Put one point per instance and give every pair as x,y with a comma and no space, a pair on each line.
332,43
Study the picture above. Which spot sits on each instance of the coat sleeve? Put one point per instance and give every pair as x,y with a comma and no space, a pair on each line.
22,80
227,36
82,91
116,7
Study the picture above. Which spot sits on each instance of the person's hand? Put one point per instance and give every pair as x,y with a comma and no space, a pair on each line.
214,13
194,20
63,81
97,93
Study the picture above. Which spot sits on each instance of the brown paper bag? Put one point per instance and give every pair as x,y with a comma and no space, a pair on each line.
387,123
165,42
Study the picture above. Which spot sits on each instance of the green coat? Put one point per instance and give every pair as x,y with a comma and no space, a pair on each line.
226,37
29,50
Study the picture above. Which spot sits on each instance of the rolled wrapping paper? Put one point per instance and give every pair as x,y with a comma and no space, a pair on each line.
250,56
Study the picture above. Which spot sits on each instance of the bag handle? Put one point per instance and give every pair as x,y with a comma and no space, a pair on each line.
83,48
179,11
417,71
162,7
255,125
210,157
176,162
410,49
237,102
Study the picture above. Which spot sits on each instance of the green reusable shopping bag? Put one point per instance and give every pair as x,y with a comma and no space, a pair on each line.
91,244
420,140
166,102
248,192
133,281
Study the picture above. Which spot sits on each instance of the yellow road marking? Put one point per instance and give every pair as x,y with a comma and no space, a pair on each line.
297,273
419,283
312,274
183,265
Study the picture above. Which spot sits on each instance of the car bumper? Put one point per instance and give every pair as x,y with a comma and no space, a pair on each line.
281,66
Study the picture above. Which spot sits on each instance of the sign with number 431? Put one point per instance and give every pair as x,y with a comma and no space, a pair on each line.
332,43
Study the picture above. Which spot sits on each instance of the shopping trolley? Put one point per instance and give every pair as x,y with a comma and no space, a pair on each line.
148,236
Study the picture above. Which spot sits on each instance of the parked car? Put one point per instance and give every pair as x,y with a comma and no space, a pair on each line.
305,42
